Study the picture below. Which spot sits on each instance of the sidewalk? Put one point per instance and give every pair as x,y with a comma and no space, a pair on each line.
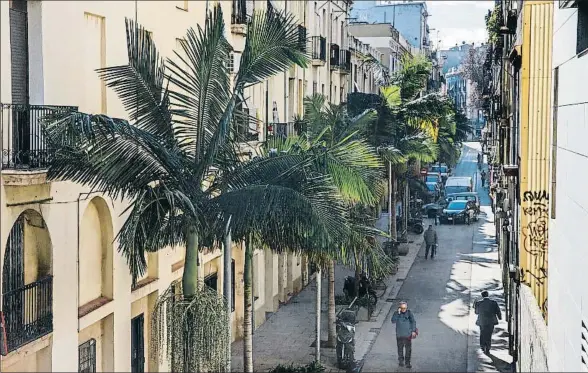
288,335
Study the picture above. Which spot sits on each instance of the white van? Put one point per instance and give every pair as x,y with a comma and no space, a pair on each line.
458,184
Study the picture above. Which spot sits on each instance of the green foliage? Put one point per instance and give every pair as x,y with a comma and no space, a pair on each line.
493,24
314,367
182,330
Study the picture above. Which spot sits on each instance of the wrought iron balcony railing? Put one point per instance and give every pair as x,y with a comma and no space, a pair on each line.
334,56
23,145
281,129
28,313
239,12
319,48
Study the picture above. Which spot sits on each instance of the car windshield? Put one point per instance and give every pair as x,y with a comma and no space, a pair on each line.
457,205
431,187
432,178
441,169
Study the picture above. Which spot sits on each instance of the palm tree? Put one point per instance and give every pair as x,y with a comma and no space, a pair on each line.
353,165
356,171
176,162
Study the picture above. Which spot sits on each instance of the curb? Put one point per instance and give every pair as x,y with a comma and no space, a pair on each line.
395,287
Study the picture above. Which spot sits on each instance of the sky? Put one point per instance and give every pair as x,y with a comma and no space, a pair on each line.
458,21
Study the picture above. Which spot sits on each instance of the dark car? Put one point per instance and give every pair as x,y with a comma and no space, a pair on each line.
459,211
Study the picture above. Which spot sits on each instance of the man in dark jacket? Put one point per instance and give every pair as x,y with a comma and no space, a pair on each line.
430,241
406,330
488,313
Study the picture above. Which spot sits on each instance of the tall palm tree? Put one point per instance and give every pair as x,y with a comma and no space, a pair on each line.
353,165
176,161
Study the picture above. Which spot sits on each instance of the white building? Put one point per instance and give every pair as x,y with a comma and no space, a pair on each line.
568,247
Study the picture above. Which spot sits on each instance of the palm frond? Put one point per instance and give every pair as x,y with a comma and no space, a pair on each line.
156,219
272,46
202,99
140,84
109,154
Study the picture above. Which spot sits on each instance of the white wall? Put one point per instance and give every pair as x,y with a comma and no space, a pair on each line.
568,254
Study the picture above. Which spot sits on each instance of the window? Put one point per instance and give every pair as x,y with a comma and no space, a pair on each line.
582,40
314,88
87,359
323,88
554,141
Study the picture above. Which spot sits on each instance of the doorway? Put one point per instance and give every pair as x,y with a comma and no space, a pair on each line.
137,344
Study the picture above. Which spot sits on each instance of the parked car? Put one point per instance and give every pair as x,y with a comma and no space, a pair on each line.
442,169
433,191
458,184
459,211
434,177
466,196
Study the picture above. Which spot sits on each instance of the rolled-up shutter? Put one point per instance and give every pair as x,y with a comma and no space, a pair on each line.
19,56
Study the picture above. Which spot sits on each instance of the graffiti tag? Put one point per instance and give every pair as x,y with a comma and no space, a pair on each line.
535,232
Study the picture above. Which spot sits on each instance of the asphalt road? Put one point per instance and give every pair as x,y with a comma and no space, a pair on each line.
439,292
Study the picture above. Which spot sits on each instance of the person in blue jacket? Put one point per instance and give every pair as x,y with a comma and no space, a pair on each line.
406,331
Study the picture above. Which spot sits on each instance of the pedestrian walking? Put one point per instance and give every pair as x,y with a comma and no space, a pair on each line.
430,242
488,313
406,331
483,177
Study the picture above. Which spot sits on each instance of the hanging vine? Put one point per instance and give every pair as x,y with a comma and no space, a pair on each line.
193,333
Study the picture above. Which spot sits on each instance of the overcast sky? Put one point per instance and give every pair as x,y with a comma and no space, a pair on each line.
458,21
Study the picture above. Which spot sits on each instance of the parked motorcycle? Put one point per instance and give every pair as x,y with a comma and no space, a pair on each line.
415,225
365,288
345,327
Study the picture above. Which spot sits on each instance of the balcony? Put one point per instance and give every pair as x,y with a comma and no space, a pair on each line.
240,17
25,155
282,130
318,50
27,313
340,59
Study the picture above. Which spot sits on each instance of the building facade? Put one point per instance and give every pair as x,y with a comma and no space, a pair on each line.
568,303
518,133
67,300
408,17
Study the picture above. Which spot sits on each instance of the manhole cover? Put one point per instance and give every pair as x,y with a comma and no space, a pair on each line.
374,330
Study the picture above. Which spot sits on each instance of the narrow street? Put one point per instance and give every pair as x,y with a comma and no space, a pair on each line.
441,292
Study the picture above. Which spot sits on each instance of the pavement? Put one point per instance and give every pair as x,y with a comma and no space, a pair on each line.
441,293
287,336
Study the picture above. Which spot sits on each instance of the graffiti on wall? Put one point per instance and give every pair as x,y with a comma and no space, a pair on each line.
535,232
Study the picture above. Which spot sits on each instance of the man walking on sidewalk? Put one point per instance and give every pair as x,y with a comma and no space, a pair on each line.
406,331
488,313
430,241
483,177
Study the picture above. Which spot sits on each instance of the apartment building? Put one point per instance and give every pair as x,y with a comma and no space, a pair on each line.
67,301
518,108
568,304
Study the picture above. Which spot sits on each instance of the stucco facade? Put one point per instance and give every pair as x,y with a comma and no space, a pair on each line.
568,303
58,238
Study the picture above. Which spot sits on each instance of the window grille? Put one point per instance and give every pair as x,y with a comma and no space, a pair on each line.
87,358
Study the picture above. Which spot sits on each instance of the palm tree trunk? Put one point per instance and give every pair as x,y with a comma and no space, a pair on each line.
357,271
248,310
227,287
317,349
392,203
191,263
332,334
